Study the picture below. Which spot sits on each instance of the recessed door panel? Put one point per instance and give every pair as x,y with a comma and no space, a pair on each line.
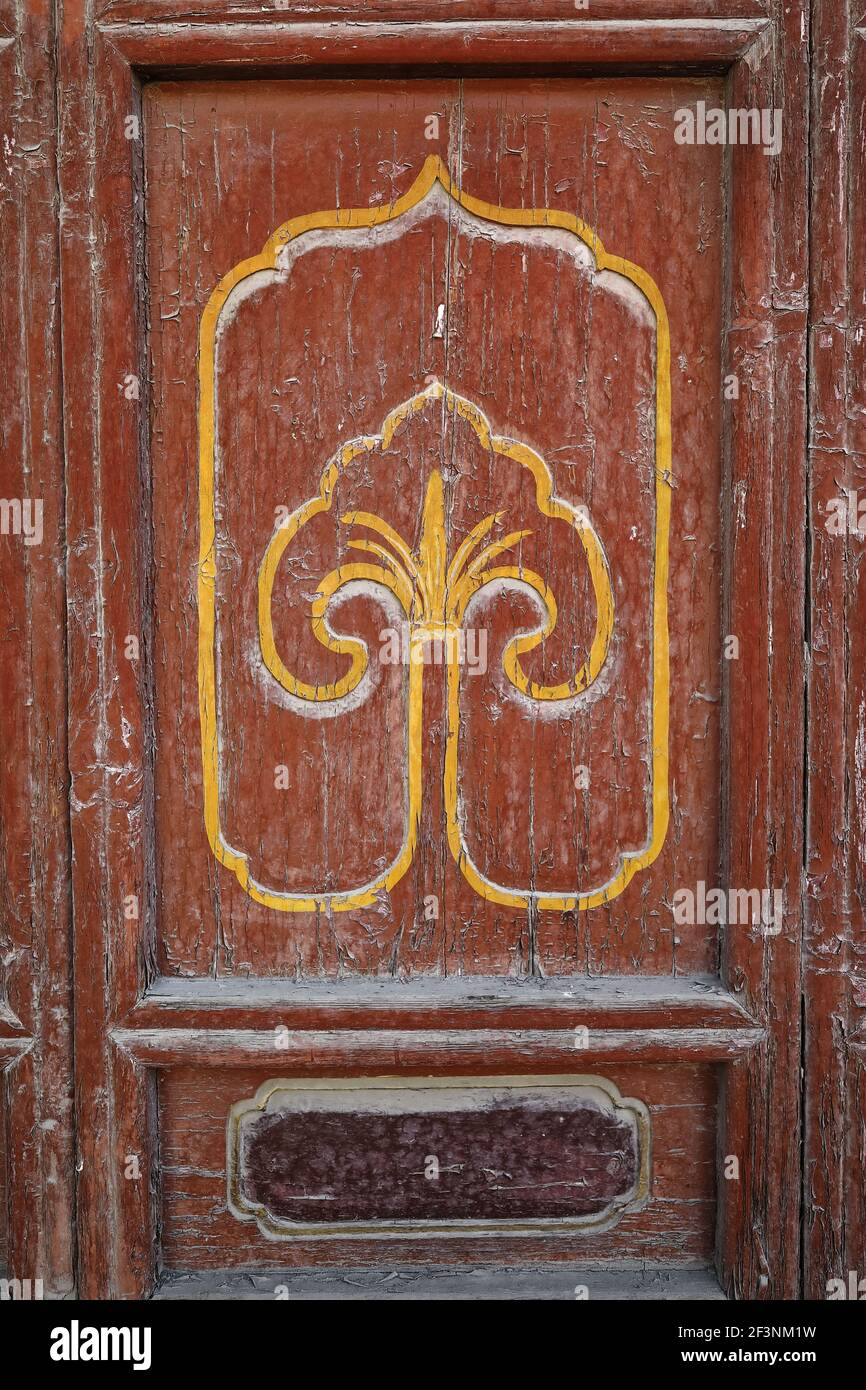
436,679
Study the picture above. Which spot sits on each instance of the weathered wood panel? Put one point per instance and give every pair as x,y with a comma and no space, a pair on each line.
319,360
657,44
107,588
4,1193
34,875
558,1282
542,11
677,1224
764,503
835,940
634,1004
380,1155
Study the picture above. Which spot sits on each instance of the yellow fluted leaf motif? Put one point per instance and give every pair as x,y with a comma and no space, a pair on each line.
433,594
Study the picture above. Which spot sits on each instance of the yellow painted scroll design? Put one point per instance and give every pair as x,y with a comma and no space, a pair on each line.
434,595
399,571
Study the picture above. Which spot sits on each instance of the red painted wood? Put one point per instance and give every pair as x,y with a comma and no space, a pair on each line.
147,232
764,504
471,936
835,935
159,47
676,1225
627,12
36,1163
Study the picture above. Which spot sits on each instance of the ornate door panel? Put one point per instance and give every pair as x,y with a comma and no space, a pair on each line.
442,396
429,545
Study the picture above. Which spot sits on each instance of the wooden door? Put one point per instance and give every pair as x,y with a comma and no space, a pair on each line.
435,524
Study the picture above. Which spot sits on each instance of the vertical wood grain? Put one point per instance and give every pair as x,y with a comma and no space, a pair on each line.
765,506
834,1176
34,884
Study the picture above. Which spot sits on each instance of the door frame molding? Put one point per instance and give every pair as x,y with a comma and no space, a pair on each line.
834,1015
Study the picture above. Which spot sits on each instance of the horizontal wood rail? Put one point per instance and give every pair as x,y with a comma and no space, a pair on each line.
627,1003
706,44
431,1051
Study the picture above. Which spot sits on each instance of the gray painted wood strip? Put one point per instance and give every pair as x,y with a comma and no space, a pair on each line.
444,1283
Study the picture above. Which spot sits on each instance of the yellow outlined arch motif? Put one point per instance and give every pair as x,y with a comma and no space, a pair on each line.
432,595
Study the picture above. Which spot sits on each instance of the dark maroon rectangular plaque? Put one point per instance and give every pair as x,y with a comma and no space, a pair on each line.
363,1154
